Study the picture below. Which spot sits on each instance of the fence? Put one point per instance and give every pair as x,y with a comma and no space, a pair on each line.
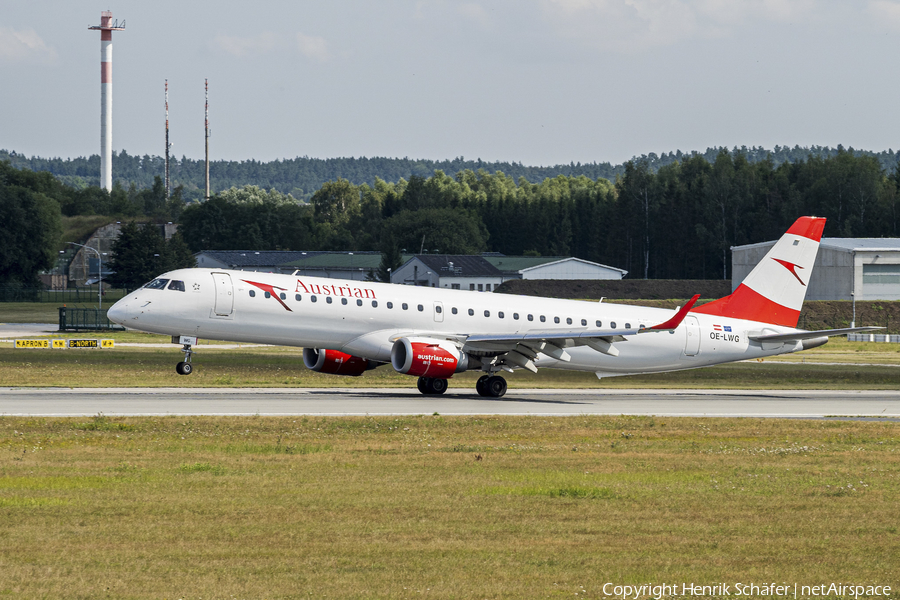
86,295
80,319
873,337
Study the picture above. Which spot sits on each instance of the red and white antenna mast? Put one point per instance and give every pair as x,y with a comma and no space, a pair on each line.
206,136
106,27
167,139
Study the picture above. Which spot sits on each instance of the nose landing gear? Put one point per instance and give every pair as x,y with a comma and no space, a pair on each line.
185,367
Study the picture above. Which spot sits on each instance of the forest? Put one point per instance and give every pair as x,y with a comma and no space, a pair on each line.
676,223
670,221
302,176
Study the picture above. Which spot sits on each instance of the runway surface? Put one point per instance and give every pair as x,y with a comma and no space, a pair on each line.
349,401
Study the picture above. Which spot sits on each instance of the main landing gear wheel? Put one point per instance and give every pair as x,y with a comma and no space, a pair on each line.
184,368
492,386
432,385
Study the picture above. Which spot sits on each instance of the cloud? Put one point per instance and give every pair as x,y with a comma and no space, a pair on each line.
886,12
636,25
24,45
313,47
242,46
266,42
474,12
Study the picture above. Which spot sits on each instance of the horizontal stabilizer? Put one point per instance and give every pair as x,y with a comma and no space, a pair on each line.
808,335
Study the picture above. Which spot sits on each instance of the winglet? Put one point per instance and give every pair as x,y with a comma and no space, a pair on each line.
676,320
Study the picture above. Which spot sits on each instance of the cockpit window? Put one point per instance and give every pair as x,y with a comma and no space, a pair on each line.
157,284
176,285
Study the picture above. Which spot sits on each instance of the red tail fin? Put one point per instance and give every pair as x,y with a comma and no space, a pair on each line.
774,290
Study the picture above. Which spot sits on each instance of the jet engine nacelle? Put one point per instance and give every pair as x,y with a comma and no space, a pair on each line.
428,357
335,362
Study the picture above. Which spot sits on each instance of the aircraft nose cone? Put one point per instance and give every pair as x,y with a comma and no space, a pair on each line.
118,312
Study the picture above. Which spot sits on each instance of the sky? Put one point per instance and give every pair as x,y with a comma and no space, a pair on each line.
540,82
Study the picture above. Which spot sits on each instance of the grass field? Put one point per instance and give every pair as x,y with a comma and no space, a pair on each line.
860,366
440,507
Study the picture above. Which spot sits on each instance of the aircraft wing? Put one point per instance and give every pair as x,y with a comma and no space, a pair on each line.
522,348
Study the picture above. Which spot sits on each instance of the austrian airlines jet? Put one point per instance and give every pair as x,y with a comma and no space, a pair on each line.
348,327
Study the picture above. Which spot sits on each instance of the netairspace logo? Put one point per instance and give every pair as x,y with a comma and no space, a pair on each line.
738,590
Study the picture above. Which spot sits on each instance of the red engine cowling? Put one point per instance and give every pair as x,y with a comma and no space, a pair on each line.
427,357
335,362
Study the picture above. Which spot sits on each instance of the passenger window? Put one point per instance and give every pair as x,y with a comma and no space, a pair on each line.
543,319
568,321
487,313
420,307
471,313
312,298
328,299
584,322
178,286
374,303
298,297
404,306
599,323
453,310
642,326
252,293
344,301
157,284
627,325
515,316
438,309
612,324
390,305
556,319
268,295
283,296
359,302
500,314
531,317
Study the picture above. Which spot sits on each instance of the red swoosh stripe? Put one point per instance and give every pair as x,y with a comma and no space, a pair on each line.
790,267
271,289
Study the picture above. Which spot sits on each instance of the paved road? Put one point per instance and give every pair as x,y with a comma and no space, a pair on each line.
346,401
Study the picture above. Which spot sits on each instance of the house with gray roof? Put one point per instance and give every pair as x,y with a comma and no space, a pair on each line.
451,271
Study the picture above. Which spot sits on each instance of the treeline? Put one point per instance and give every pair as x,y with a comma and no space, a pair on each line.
676,223
302,176
32,205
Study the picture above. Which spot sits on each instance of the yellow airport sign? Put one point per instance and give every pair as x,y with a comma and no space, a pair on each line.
32,343
107,343
84,343
58,343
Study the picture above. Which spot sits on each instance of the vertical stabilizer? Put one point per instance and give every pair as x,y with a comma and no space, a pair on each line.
774,290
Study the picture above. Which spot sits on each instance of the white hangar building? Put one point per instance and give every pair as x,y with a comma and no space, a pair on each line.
864,268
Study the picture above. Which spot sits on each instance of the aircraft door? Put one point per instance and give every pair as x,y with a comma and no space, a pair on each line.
438,312
224,294
692,340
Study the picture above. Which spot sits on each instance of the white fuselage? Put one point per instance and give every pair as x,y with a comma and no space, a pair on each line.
365,318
